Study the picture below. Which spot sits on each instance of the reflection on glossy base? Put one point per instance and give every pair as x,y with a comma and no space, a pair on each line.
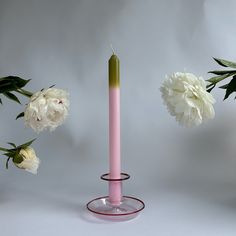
128,208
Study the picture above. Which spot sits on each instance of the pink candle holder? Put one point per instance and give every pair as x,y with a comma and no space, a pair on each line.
105,208
115,206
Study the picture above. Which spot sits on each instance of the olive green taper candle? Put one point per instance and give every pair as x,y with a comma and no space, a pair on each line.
114,71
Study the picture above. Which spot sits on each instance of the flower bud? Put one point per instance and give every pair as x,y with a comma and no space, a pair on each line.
27,160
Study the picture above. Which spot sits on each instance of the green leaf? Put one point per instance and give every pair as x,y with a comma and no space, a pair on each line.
26,144
8,159
4,149
12,97
11,83
20,115
17,81
218,78
224,86
209,90
8,154
225,63
231,87
12,144
7,87
222,72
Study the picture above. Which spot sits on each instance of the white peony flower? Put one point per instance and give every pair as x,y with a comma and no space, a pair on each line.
47,109
30,161
186,98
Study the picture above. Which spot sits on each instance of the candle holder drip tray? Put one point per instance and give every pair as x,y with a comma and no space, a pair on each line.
126,209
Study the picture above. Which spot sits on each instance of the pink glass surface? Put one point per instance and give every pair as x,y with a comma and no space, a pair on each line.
128,208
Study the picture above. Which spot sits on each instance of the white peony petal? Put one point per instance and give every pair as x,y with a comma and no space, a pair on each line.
186,98
47,109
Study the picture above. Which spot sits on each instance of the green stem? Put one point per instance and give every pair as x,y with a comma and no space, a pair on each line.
24,92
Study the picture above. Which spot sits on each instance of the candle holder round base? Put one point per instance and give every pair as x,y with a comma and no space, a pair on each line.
127,208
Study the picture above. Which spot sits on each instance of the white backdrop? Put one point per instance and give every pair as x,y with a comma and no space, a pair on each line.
186,177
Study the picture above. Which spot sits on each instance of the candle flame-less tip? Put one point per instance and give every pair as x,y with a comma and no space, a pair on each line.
113,51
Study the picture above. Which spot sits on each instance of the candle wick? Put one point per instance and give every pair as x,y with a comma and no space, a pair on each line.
113,51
